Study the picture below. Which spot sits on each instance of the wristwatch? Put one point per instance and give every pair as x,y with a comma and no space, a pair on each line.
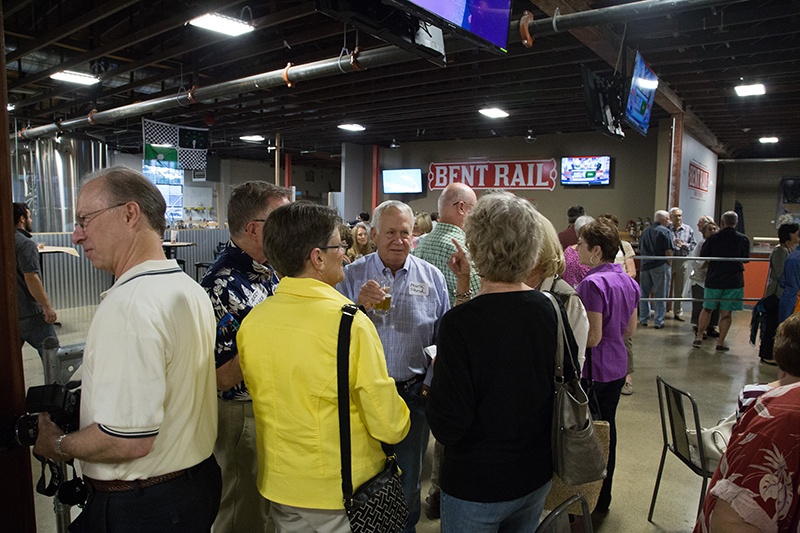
58,446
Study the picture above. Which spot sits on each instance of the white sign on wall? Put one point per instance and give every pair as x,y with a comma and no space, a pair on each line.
698,177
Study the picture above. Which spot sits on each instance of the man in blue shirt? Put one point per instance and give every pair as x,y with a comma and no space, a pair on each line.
418,301
654,274
237,281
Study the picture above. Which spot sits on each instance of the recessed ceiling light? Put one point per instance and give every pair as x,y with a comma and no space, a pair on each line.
75,77
768,140
493,112
750,90
252,138
352,127
222,24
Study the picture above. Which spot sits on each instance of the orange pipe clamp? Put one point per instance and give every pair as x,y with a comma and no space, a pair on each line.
286,75
190,94
354,59
89,117
527,18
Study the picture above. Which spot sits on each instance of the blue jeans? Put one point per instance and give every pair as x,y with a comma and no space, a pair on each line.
516,516
34,330
185,504
657,280
410,452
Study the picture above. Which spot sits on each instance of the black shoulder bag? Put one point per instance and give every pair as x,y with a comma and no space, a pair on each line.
378,506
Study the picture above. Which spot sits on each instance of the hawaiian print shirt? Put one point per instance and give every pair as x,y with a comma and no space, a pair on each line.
235,283
760,471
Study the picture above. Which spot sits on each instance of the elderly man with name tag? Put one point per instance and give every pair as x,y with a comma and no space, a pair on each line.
418,299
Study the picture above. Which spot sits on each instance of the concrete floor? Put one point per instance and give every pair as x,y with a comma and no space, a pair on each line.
713,378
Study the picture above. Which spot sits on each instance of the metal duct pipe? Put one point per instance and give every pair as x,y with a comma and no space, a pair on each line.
621,13
387,55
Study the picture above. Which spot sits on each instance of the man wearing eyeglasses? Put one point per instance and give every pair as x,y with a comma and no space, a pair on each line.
237,281
148,407
418,301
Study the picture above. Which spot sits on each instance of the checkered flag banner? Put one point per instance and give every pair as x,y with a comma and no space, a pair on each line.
191,143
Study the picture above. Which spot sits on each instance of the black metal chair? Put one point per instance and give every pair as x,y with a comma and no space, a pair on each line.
672,402
205,264
558,519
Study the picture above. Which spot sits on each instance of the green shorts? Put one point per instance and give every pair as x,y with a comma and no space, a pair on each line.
735,305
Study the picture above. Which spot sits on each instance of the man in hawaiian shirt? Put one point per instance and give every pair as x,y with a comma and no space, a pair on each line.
237,281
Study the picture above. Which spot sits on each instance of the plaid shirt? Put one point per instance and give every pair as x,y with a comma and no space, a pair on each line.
686,234
419,301
437,247
235,283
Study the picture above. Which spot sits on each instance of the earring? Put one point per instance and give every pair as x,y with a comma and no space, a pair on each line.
594,260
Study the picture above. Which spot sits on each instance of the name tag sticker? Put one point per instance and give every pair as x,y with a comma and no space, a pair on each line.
418,289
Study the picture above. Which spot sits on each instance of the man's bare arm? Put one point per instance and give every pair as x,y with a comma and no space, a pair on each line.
36,288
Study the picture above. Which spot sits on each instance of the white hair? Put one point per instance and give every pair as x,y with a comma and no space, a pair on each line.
581,222
673,209
403,208
660,215
730,219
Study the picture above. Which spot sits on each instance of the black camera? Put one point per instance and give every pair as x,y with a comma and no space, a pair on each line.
62,404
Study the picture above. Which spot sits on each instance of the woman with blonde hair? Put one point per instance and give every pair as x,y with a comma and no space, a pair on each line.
491,400
362,242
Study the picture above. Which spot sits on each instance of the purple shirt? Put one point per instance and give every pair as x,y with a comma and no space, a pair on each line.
608,290
574,271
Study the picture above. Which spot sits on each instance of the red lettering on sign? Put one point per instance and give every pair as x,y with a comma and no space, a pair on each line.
698,178
537,174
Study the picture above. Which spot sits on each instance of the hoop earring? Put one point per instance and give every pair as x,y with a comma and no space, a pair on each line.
594,260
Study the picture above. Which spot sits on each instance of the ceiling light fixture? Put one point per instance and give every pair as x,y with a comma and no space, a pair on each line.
394,144
222,24
252,138
10,107
161,145
352,127
493,112
768,140
75,77
750,90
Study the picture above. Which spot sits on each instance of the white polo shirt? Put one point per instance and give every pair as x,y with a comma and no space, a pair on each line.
148,370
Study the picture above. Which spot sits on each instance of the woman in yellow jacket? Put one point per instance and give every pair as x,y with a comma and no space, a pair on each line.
287,350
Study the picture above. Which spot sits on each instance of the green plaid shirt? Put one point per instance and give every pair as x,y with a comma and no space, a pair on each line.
437,247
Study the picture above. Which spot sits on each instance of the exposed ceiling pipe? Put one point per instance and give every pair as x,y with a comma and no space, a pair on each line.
620,13
378,57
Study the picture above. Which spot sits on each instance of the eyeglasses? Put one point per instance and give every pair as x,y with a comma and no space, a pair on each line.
342,247
259,220
463,202
83,220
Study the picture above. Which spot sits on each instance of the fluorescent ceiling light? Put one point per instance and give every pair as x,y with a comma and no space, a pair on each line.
10,107
75,77
352,127
252,138
162,145
227,25
493,112
768,140
647,84
749,90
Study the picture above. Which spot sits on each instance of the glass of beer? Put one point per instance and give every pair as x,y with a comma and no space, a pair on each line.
385,281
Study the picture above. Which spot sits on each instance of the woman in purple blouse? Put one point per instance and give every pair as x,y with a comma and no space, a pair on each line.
610,297
574,270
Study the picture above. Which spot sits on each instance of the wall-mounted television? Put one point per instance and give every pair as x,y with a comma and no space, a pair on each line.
592,170
604,103
640,98
402,180
482,22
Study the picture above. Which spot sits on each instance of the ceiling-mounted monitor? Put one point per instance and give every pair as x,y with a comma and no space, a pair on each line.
481,22
640,98
402,180
604,103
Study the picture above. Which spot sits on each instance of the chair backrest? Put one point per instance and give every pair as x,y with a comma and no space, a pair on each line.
218,250
558,519
672,402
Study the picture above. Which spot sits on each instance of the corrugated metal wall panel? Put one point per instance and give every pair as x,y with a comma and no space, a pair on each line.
73,282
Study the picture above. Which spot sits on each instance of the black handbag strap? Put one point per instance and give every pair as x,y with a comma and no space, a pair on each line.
343,393
562,334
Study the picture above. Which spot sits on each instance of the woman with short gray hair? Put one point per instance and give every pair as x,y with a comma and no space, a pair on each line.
491,400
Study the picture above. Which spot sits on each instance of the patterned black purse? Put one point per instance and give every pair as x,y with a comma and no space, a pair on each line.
378,506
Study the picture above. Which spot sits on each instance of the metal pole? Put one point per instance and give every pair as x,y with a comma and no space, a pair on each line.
620,13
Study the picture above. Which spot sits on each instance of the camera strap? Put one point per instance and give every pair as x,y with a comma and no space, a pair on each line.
56,477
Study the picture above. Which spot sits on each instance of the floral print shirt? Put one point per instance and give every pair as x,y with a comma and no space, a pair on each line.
758,475
236,284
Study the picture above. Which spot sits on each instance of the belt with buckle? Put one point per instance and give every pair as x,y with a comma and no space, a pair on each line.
405,385
118,485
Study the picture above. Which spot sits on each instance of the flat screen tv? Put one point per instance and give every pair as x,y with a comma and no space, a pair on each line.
640,98
402,180
604,103
593,170
482,22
